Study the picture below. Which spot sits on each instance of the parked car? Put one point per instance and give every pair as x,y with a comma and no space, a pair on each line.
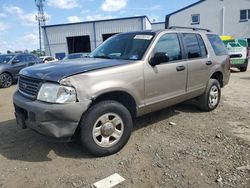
75,56
11,64
129,75
238,51
48,59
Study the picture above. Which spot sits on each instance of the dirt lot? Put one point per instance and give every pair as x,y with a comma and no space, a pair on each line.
201,150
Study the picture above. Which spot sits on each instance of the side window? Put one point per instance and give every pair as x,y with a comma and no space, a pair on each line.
202,46
20,58
169,44
30,58
217,44
192,45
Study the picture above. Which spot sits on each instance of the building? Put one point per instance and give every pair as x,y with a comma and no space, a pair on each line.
63,39
225,17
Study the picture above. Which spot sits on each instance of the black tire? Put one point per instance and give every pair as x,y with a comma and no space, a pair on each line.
5,80
204,100
92,116
243,69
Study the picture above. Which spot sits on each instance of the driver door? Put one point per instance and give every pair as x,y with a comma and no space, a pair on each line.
166,82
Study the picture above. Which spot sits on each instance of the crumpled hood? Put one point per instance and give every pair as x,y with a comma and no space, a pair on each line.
62,69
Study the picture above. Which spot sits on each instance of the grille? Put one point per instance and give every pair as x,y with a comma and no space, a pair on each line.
28,86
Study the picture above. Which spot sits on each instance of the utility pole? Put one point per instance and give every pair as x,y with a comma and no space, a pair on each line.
41,18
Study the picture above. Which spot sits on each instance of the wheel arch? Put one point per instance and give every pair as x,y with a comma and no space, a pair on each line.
120,96
218,75
8,72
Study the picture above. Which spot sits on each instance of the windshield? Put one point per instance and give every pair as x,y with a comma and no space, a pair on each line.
5,58
129,46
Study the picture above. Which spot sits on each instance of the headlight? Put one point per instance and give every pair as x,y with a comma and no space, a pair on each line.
55,93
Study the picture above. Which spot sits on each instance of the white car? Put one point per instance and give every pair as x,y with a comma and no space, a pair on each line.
48,59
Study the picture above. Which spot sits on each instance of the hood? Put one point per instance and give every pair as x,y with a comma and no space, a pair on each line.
62,69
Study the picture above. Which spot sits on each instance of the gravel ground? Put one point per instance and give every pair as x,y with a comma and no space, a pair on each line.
175,147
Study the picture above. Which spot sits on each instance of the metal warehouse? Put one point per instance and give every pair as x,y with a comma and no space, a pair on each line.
63,39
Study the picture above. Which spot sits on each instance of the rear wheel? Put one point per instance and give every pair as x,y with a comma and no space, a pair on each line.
5,80
211,98
106,128
243,69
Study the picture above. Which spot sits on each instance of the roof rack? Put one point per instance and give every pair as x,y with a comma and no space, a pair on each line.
192,28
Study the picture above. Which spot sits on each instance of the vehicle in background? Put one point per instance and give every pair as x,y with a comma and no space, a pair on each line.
238,51
75,56
11,64
48,59
129,75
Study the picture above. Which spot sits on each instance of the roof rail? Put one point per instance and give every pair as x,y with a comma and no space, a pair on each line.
192,28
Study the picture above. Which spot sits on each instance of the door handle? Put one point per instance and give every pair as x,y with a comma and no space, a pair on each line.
209,63
180,68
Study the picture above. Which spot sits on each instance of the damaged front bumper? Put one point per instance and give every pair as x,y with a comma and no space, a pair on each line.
52,120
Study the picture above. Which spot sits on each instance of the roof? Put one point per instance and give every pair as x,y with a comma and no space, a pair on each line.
94,21
180,10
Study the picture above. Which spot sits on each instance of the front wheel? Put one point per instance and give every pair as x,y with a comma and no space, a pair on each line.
5,80
105,128
211,97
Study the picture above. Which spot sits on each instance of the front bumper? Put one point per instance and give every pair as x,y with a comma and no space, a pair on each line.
52,120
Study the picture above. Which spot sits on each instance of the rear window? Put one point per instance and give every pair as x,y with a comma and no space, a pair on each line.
217,44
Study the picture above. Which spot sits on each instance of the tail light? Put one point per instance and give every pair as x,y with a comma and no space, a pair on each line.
248,52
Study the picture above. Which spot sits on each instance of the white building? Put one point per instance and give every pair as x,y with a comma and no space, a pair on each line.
63,39
225,17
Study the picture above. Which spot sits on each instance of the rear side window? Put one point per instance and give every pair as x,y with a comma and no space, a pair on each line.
192,45
217,44
202,46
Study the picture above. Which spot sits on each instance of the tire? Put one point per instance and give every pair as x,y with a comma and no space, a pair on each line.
211,97
105,128
5,80
243,69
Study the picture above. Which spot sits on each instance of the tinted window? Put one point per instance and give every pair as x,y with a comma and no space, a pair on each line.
192,46
20,58
217,44
170,45
30,58
202,46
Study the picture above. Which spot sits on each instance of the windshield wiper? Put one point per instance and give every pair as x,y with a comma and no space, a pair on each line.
102,56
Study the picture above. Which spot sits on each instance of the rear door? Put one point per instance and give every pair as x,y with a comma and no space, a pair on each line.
198,61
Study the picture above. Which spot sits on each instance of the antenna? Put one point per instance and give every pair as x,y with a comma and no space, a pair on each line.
41,18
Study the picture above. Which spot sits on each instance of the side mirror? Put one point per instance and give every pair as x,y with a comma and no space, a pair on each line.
159,58
15,61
